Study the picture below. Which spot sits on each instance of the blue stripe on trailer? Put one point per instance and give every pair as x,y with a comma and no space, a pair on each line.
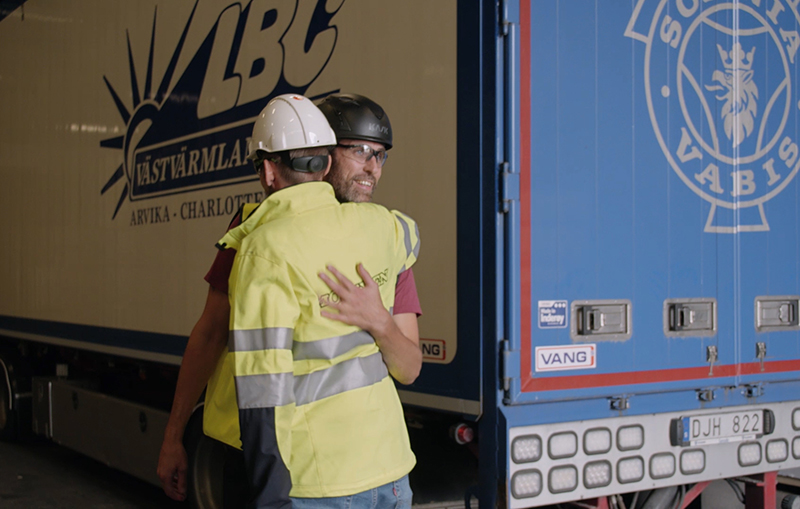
149,342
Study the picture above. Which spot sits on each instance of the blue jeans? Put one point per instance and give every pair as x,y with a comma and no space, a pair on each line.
394,495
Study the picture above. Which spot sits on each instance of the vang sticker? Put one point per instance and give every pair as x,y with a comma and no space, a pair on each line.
191,131
718,82
561,358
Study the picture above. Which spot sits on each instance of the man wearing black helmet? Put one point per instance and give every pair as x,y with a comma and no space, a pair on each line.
364,134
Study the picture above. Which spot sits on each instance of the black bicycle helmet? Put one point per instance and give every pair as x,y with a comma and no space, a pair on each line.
356,117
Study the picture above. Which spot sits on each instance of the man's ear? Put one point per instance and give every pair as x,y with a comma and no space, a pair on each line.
267,173
325,172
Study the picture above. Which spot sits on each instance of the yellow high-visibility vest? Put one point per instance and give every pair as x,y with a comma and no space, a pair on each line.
338,420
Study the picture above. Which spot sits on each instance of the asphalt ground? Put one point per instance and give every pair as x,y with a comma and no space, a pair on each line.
38,474
43,475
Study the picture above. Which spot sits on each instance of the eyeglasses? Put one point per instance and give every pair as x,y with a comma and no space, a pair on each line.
363,153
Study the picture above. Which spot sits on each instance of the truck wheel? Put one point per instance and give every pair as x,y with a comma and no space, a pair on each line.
7,419
14,411
214,477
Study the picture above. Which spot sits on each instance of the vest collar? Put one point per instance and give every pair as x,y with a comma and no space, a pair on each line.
288,201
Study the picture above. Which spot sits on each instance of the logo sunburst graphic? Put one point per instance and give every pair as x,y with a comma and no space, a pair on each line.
145,106
190,130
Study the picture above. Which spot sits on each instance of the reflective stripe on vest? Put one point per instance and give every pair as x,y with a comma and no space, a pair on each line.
330,348
410,249
278,389
264,391
406,237
345,376
273,338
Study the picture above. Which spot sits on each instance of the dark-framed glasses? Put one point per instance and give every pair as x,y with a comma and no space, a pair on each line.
363,153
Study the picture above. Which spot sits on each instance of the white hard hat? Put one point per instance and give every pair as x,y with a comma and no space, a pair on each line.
289,122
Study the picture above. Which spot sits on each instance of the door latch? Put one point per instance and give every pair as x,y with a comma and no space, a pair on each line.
711,358
761,353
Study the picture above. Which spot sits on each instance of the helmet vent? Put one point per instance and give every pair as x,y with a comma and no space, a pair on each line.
343,125
377,111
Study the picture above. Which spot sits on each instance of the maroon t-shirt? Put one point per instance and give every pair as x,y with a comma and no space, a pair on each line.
406,299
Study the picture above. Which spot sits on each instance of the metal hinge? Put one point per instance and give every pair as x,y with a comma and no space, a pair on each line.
510,367
509,187
706,395
619,403
505,24
753,391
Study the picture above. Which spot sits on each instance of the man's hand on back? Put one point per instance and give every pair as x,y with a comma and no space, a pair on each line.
396,337
361,307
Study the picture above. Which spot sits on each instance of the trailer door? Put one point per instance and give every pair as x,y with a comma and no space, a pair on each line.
757,55
631,230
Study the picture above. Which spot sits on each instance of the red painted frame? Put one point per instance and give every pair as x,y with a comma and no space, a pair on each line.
572,381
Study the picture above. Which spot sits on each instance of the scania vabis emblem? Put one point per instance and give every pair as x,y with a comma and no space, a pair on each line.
718,83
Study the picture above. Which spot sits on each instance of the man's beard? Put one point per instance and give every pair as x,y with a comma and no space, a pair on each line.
346,189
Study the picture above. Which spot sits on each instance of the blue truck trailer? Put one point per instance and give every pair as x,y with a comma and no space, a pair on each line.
606,194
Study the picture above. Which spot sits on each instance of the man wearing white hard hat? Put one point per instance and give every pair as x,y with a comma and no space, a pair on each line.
319,416
363,136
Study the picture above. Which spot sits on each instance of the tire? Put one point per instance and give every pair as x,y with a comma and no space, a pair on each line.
8,419
15,400
216,471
